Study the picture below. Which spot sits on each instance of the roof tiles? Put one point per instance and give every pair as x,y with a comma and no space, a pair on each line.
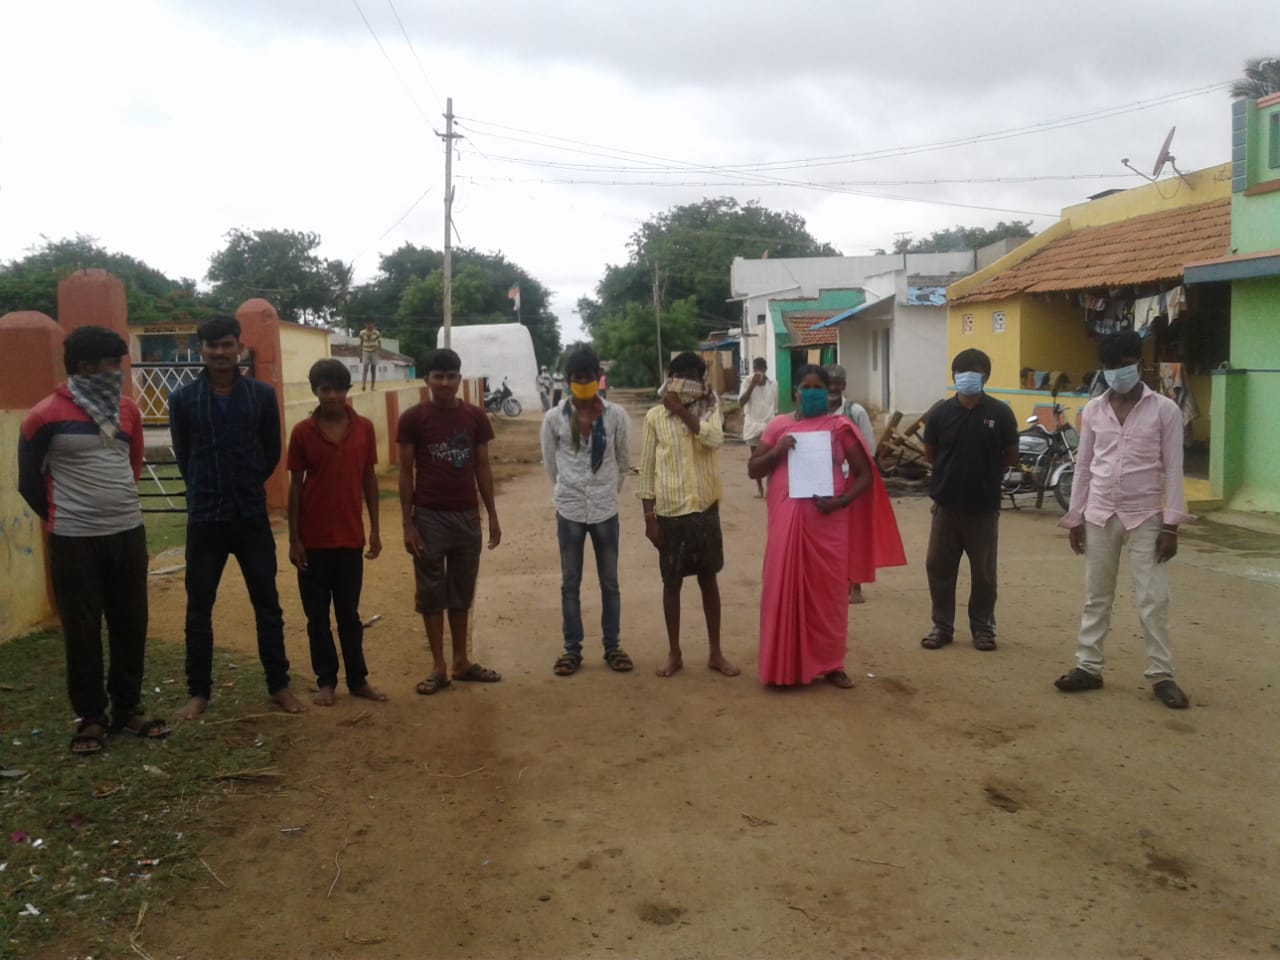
802,335
1141,250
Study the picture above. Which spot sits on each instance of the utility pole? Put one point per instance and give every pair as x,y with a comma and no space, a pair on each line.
448,137
657,321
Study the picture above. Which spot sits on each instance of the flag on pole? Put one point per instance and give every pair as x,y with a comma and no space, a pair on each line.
514,295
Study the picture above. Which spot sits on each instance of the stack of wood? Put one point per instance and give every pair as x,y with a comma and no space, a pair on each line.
901,454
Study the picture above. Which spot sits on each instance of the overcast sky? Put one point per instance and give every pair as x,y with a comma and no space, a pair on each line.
157,126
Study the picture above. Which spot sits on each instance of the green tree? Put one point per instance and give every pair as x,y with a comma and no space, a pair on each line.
31,283
406,299
689,248
281,266
1261,78
630,339
962,238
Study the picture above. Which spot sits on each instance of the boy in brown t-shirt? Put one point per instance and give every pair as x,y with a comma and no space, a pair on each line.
444,463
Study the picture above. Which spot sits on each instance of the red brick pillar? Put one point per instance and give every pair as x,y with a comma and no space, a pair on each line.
260,333
30,358
96,298
393,422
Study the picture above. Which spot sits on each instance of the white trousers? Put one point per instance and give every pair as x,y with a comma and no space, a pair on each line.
1150,592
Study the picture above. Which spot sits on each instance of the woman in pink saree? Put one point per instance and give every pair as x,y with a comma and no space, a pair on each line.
811,556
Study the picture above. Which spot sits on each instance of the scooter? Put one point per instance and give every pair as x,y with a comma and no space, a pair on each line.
503,401
1046,461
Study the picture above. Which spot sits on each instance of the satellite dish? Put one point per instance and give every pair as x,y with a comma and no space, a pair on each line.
1164,156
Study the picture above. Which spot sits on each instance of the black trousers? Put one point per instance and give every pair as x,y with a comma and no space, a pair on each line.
93,577
952,535
208,547
334,576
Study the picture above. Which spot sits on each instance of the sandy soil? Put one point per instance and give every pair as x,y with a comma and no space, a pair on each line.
953,804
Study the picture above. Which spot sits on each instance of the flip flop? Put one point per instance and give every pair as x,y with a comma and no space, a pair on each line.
567,665
434,683
984,643
1171,695
85,744
933,642
477,674
838,678
147,730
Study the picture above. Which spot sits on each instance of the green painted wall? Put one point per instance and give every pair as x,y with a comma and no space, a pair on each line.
778,309
1255,221
1255,347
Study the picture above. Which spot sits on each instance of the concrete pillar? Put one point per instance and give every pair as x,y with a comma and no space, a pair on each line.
1227,433
95,297
260,333
393,422
30,358
30,367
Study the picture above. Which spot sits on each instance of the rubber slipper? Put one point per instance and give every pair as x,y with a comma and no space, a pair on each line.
84,744
1171,695
932,642
478,674
984,643
1078,679
433,684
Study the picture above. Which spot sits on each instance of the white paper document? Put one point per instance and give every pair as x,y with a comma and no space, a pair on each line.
809,466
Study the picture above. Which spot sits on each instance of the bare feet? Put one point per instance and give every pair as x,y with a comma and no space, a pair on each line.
673,666
840,679
855,594
288,702
324,697
720,664
194,708
369,692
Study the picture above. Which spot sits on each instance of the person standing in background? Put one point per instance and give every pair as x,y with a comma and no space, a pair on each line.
856,414
759,402
370,344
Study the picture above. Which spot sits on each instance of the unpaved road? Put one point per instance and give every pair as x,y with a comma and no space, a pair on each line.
953,805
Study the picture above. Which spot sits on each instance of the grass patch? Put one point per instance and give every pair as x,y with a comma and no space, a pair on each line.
164,530
122,828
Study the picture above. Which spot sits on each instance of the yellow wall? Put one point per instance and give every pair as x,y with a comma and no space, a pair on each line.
300,347
1212,183
1054,337
1002,348
24,601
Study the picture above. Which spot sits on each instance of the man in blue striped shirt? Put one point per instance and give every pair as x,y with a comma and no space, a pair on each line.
226,438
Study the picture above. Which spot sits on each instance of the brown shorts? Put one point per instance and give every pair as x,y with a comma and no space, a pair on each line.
445,574
693,545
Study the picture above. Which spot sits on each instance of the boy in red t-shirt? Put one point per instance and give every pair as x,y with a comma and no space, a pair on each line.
331,459
444,461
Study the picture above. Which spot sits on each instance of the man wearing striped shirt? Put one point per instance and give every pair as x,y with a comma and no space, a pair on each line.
680,490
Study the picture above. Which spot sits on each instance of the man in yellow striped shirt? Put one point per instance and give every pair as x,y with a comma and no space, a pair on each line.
680,490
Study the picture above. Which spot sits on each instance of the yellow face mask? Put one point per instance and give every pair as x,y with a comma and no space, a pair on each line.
584,391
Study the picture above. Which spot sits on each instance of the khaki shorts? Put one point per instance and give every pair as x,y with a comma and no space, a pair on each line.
445,574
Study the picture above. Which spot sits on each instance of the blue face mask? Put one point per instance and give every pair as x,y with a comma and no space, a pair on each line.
813,401
969,383
1122,380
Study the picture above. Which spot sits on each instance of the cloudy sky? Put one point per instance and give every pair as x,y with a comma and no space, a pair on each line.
157,126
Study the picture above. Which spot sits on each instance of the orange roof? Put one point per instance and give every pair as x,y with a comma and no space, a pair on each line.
802,336
1142,250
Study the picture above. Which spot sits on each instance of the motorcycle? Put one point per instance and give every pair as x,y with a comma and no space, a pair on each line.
502,401
1046,461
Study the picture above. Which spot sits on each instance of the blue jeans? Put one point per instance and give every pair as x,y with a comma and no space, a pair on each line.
604,543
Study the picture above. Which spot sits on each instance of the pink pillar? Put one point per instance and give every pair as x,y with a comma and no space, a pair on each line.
94,297
260,332
30,359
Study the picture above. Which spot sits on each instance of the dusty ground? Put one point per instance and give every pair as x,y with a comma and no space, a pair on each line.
953,805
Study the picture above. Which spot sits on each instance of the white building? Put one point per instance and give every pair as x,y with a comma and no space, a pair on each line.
499,351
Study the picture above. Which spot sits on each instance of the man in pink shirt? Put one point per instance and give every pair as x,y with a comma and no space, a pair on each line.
1128,490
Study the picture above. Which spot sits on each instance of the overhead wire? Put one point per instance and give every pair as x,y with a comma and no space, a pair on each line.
391,63
412,49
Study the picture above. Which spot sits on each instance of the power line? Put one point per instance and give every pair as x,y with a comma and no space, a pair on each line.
391,63
421,69
934,181
399,220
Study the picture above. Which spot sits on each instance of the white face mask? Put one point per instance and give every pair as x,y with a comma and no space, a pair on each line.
1122,380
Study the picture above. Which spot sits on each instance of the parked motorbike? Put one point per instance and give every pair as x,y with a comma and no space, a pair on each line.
502,401
1046,461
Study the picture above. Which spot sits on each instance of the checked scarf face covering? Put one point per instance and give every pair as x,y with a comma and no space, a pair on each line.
98,395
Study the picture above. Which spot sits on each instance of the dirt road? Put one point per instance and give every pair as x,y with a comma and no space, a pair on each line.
953,804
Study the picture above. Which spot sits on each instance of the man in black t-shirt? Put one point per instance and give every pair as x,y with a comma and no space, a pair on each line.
971,439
